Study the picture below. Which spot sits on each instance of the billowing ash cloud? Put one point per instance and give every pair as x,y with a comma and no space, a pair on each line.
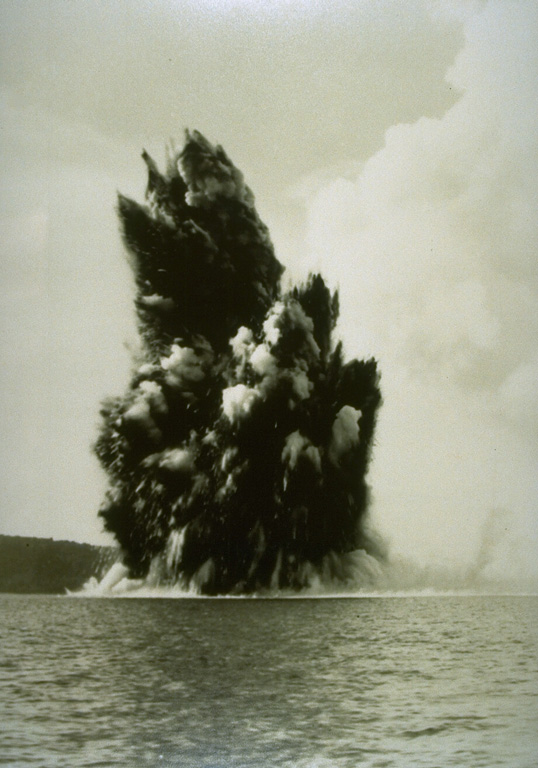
237,457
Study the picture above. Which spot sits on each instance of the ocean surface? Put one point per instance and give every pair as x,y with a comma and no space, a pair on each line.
431,681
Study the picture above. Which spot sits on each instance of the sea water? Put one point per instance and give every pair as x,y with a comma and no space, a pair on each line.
229,683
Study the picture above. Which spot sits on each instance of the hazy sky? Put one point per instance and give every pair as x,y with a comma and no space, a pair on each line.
390,144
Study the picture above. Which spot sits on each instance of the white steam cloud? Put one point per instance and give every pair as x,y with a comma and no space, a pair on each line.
345,432
437,236
238,400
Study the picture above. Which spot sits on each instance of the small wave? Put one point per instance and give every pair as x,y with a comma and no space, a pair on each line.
461,722
429,731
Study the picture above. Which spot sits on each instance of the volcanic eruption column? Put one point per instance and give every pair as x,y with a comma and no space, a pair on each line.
237,456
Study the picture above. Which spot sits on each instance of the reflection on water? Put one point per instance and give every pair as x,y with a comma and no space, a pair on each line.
448,681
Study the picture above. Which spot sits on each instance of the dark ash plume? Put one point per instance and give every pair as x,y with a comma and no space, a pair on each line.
237,457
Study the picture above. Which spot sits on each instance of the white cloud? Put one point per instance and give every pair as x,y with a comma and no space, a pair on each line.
263,362
345,432
297,445
237,401
433,244
184,367
177,460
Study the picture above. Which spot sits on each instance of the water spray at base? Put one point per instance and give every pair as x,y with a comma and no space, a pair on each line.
237,457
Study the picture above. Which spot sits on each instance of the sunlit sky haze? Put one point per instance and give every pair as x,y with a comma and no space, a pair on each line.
391,145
